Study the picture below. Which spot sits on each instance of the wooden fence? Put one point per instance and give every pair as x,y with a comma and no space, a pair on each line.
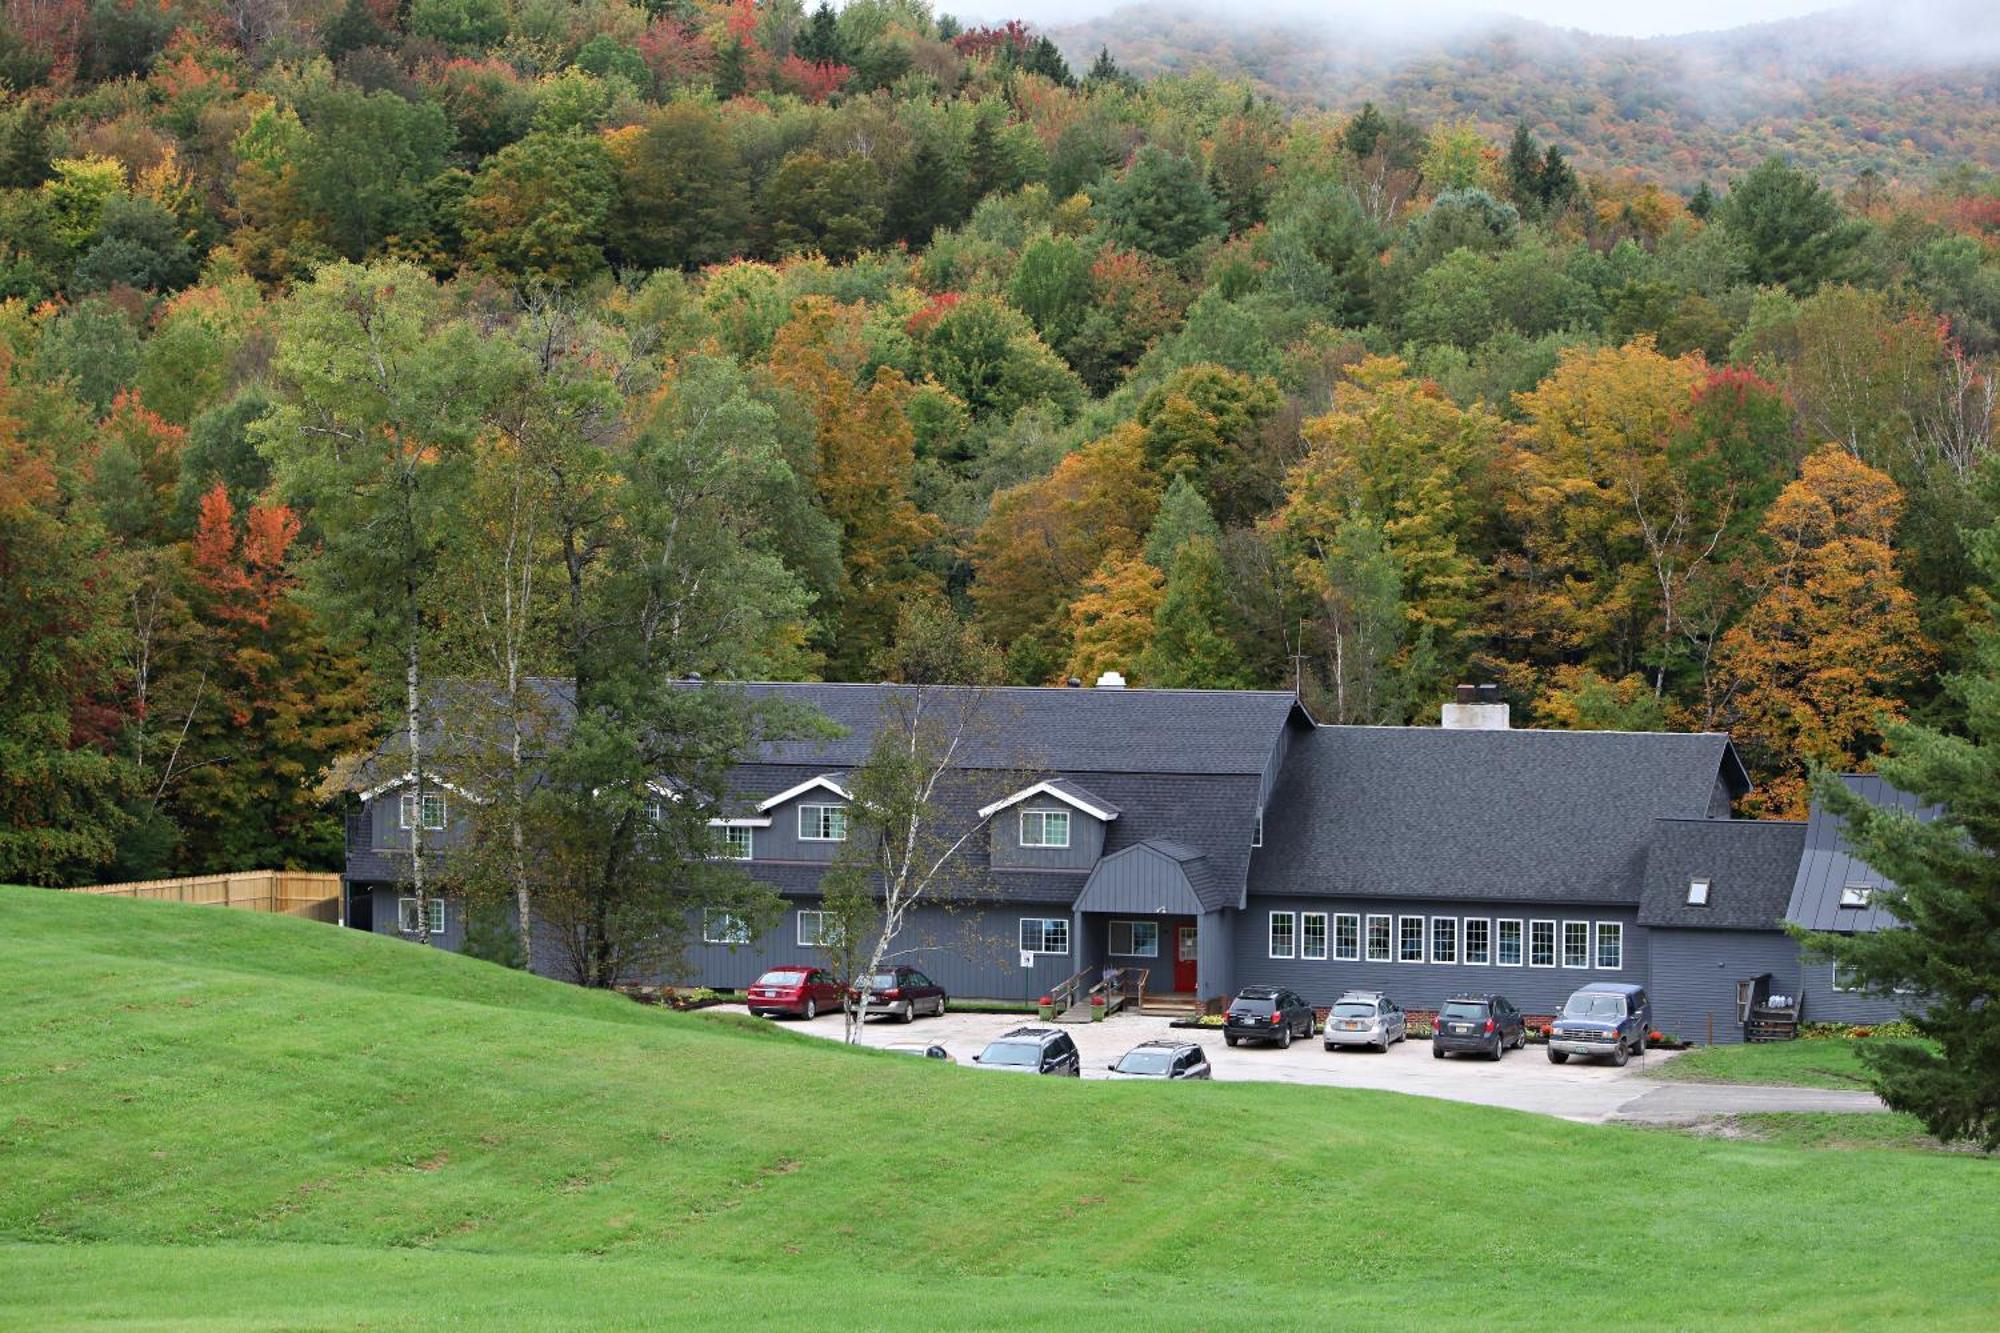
305,893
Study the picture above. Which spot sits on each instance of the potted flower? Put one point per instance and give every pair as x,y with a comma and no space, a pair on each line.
1097,1007
1046,1007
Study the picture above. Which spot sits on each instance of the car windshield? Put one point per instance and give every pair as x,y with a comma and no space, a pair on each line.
1146,1062
1251,1004
781,977
883,981
1353,1009
1460,1009
1595,1006
1012,1053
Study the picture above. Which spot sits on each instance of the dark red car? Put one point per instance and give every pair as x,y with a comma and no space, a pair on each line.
901,991
803,992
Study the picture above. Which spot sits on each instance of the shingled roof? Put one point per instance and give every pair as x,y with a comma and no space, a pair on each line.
1529,816
1830,865
1749,865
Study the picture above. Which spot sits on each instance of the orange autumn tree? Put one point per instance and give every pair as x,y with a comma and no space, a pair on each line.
866,453
1111,623
1819,663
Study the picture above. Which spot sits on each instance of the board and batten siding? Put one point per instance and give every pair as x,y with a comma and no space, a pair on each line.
1824,1004
1086,839
1426,985
1695,975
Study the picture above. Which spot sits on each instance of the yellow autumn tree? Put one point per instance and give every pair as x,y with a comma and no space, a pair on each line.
1111,622
1817,666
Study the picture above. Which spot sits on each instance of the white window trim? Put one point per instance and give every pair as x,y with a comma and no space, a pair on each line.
722,834
815,837
1617,929
737,937
1699,889
1020,935
1325,936
1048,789
1359,943
1423,938
1388,921
1465,957
823,781
1153,952
434,909
1257,831
1555,944
1044,814
1520,941
1291,920
1432,940
1562,946
405,803
817,938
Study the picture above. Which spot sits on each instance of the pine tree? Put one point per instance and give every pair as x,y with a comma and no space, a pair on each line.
1524,170
1104,70
1183,516
819,41
1558,182
1191,647
1945,893
1701,205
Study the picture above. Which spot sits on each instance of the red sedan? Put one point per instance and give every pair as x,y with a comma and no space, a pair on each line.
799,991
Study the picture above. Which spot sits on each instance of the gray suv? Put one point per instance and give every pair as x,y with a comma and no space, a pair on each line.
1032,1051
1604,1020
1365,1018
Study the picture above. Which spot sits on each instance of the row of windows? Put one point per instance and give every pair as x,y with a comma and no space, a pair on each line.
1470,941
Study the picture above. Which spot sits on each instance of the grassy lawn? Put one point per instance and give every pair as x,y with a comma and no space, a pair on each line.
1813,1129
221,1119
1801,1064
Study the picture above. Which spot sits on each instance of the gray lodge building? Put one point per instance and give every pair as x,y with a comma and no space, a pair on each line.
1223,838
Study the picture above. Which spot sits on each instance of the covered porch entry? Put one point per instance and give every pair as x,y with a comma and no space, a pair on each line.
1143,909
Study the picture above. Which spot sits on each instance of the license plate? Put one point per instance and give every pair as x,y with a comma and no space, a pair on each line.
1461,1027
1350,1027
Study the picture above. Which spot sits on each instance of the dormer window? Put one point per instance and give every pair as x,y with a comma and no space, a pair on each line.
734,842
406,813
1045,828
1856,895
822,823
1697,893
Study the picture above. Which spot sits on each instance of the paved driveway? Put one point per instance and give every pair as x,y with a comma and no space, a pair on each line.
1523,1081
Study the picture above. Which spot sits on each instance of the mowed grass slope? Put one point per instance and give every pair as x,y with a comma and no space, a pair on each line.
1823,1063
213,1118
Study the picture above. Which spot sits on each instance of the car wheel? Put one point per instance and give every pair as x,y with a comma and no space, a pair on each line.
941,1004
812,1011
1558,1057
909,1011
1639,1047
1499,1048
1285,1040
1619,1055
1229,1038
1436,1054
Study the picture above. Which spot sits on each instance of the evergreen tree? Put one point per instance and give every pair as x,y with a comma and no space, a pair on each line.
1701,205
1104,70
1792,227
819,42
928,193
1558,183
732,69
1161,205
1191,647
1043,58
1183,516
1524,170
1364,131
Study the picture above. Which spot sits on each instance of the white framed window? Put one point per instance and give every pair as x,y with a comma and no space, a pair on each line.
1135,939
1507,943
1257,831
1856,895
1444,939
1610,945
734,843
406,810
655,809
1045,828
1576,944
1851,986
822,823
1378,940
1698,893
1541,944
1347,937
1410,940
1478,941
406,915
1312,934
1284,941
1045,934
817,929
720,927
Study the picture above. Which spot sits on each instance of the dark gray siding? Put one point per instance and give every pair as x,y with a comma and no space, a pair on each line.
1824,1004
1534,990
1215,948
381,819
781,841
1145,881
1695,973
1086,839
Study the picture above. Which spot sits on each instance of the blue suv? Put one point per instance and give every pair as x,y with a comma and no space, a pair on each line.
1605,1020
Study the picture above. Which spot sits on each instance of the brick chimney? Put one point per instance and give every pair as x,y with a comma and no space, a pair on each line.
1475,708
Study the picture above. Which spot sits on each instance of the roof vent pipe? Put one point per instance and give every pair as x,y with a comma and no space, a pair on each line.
1111,680
1074,683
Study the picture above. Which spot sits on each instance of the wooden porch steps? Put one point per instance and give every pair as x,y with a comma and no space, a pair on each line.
1771,1025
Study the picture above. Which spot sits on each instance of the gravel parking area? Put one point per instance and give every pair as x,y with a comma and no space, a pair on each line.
1523,1081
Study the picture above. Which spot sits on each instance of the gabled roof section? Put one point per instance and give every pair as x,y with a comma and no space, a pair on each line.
1061,789
829,782
1749,865
1830,865
1032,729
433,780
1156,877
1524,816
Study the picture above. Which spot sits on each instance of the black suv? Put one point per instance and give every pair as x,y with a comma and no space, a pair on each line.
1487,1024
1032,1051
1267,1013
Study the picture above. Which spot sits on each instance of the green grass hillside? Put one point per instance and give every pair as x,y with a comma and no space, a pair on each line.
220,1119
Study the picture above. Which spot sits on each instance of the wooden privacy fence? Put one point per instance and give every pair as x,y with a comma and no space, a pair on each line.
307,893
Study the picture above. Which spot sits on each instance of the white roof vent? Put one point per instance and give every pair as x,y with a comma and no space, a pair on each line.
1111,680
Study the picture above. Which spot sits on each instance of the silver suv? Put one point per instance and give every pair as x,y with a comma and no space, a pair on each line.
1365,1018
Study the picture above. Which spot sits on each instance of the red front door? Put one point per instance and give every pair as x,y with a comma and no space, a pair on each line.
1184,952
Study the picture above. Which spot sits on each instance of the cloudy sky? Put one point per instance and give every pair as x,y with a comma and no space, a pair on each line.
1621,17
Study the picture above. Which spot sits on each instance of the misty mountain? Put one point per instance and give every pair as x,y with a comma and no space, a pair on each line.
1907,90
